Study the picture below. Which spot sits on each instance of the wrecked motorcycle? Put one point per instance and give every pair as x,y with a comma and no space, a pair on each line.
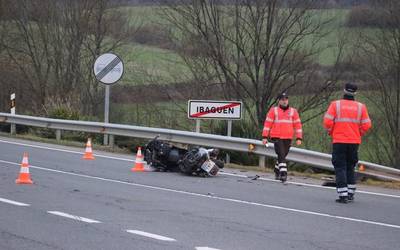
163,156
201,162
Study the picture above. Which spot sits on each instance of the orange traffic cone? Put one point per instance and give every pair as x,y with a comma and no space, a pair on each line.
24,176
139,162
361,168
88,151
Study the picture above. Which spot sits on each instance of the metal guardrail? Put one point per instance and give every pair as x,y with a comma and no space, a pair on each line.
308,157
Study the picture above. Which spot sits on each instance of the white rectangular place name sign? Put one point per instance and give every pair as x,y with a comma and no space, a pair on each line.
205,109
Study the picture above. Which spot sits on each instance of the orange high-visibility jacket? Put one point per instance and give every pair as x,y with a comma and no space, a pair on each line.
346,121
282,124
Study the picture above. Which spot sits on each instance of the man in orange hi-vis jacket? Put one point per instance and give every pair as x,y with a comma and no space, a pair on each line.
281,123
346,122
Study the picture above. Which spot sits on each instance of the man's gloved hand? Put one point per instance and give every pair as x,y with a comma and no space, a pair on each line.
298,142
264,141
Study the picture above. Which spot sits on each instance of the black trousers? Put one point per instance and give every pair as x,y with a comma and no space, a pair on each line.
344,160
281,147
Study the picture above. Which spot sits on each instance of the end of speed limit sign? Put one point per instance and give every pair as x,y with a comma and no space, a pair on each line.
108,68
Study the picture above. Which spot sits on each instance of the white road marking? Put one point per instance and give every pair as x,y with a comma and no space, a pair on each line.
74,217
66,151
150,235
16,203
215,197
206,248
222,173
310,185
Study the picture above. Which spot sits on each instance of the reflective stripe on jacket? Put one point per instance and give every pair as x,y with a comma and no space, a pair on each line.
346,121
282,124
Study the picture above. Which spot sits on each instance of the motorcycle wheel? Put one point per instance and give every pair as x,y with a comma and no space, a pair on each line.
220,164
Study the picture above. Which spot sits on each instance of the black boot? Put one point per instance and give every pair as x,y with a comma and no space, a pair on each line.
283,176
351,198
342,199
276,171
283,171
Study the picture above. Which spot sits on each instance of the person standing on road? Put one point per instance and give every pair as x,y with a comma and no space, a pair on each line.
281,123
346,122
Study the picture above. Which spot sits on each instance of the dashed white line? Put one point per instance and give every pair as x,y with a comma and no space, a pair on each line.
16,203
206,248
74,217
216,197
150,235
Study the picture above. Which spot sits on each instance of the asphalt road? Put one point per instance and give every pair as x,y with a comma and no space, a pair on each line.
101,204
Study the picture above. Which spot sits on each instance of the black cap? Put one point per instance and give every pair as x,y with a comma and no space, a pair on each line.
350,89
283,95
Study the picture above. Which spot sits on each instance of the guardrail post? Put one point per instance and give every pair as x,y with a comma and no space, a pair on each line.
111,140
261,161
58,135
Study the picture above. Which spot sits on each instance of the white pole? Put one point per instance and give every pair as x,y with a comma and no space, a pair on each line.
13,129
106,111
197,125
229,133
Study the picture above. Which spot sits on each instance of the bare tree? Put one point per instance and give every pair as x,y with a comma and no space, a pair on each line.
54,44
253,48
379,54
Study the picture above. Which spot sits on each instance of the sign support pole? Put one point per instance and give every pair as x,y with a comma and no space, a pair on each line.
106,111
229,133
197,125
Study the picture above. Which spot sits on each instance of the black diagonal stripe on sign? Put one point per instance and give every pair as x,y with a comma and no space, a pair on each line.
100,75
108,68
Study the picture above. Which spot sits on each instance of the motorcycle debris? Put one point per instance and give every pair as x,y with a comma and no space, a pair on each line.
255,177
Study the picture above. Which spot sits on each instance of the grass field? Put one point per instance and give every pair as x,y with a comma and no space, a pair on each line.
148,63
144,65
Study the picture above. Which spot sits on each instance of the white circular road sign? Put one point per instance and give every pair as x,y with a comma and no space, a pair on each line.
108,68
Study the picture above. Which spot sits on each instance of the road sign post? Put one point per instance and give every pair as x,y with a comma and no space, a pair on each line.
198,124
13,129
106,111
229,133
108,69
221,110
